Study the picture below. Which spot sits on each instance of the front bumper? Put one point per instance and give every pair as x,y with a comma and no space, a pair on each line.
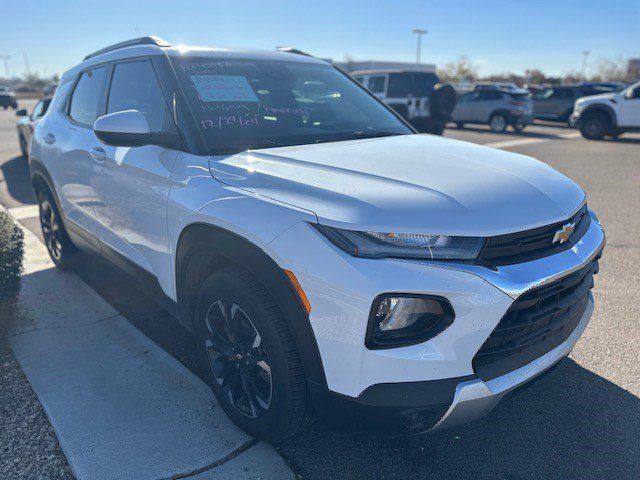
473,399
434,380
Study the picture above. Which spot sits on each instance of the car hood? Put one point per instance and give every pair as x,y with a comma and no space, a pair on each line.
597,98
409,183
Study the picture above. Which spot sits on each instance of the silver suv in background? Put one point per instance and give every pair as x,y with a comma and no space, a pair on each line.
417,96
496,108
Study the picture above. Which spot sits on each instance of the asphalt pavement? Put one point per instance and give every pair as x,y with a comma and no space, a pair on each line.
582,422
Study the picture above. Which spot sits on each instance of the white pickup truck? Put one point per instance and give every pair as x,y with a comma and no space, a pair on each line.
609,114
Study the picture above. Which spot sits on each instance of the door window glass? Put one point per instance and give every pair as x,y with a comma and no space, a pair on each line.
86,96
376,84
134,86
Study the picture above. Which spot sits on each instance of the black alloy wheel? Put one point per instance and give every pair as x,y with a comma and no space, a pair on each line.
238,361
51,229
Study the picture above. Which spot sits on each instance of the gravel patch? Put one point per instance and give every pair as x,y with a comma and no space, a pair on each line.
29,448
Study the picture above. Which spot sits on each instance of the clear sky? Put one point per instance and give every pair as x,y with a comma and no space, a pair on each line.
497,35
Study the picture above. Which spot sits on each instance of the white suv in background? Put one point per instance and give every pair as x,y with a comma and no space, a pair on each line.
329,261
609,114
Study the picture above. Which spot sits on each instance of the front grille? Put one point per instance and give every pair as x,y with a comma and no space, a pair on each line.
536,323
533,244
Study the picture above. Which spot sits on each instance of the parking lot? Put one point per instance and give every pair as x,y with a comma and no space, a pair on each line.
582,422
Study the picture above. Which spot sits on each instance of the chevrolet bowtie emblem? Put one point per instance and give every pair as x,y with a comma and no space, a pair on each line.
564,233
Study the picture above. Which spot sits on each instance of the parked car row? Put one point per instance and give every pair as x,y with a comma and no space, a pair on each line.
495,107
417,96
27,124
8,98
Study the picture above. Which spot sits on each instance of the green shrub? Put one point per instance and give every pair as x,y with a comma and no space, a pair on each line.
11,251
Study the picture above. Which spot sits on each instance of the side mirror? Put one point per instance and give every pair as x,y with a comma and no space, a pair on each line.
635,93
129,128
22,112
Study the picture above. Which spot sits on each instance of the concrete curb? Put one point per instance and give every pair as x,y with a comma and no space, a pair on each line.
121,406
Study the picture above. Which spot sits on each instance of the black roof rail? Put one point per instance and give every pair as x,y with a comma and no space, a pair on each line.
293,50
151,40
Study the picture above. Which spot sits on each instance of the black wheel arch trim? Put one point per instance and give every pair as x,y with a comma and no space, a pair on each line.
601,108
229,248
39,173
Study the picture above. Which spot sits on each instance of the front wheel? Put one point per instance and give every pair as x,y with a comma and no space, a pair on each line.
498,122
594,126
249,357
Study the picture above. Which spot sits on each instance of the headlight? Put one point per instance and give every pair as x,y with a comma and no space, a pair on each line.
398,320
403,245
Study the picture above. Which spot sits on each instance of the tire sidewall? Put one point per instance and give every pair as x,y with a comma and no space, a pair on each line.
505,123
593,120
235,286
68,250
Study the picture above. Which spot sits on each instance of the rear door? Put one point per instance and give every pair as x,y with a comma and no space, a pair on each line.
72,142
489,102
464,110
132,191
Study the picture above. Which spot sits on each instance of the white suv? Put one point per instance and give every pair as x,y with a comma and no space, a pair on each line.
329,261
608,113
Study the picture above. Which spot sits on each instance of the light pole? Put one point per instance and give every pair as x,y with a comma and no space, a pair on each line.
419,32
585,54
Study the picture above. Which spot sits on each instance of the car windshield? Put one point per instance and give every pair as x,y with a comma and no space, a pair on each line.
244,104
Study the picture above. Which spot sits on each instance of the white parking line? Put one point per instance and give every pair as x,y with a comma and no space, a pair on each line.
529,141
121,406
26,211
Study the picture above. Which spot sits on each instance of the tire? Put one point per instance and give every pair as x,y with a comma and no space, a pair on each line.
460,124
442,102
594,126
61,250
23,145
498,122
250,360
518,127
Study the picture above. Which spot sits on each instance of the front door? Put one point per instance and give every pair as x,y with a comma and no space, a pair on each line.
629,108
132,192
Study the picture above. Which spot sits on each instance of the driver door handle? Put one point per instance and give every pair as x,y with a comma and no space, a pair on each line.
98,154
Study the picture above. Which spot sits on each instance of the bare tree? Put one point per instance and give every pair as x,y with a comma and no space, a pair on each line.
460,70
613,70
535,75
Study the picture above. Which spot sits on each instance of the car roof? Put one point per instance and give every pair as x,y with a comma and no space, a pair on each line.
144,47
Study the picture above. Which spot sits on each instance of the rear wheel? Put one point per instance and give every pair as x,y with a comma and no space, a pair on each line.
61,250
518,126
498,122
594,126
249,357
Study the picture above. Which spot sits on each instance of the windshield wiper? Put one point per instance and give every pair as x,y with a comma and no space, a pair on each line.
374,134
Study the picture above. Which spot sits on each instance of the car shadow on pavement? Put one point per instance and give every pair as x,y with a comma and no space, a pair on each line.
15,173
572,425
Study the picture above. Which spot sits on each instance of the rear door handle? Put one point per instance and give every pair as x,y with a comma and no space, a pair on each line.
98,154
49,139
